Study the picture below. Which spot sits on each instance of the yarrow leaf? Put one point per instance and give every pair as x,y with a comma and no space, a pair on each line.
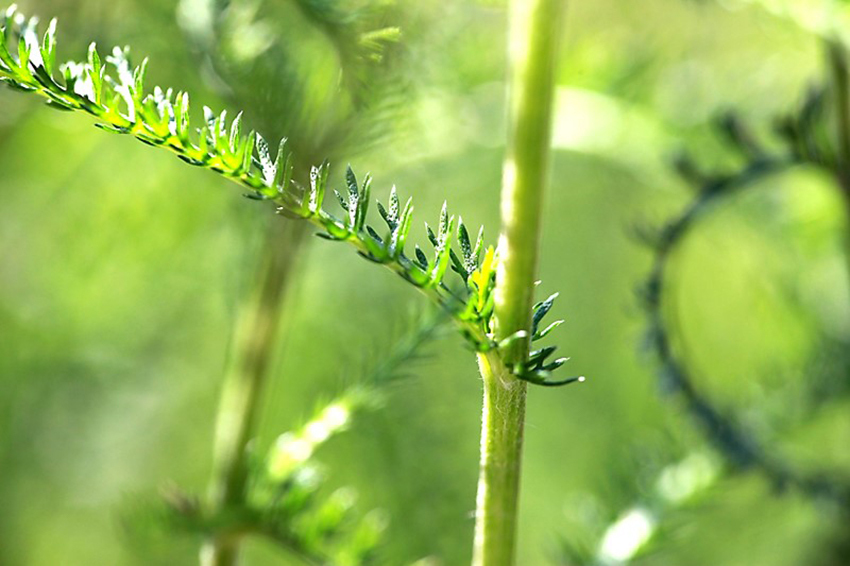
113,93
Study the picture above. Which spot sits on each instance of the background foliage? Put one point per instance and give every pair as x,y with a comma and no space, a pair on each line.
120,271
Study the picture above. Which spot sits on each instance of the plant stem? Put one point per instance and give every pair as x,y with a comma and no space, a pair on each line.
499,474
838,66
253,342
535,27
837,60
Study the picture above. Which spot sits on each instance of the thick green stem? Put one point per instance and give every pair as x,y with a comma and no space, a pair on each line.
535,27
253,343
501,446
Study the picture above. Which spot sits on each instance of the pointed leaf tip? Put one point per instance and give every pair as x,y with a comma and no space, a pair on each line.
235,132
444,220
351,180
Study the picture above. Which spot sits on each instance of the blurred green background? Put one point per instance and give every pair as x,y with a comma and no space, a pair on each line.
121,270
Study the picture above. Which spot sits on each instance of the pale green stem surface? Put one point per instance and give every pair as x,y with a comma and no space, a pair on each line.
535,28
253,343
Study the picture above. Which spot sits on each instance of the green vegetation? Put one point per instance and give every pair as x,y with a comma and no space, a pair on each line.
162,119
148,314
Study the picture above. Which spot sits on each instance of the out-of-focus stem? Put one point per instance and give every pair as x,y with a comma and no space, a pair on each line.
837,59
841,88
252,347
535,27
